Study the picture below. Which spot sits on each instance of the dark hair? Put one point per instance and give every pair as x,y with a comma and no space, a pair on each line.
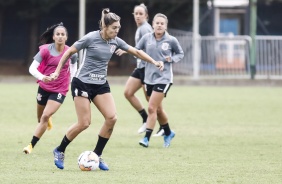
144,7
47,36
108,18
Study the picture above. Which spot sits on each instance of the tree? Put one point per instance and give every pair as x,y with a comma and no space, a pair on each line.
32,10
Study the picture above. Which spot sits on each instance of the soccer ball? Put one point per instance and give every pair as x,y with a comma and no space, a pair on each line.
88,161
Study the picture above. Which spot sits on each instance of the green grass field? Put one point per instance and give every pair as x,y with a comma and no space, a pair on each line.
223,135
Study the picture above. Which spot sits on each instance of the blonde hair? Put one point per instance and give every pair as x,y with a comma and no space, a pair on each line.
160,15
108,18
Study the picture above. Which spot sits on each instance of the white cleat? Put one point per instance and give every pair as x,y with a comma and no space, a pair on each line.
159,133
142,128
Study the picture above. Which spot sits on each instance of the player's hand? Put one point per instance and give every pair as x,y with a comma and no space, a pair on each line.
54,75
46,79
168,59
160,65
120,52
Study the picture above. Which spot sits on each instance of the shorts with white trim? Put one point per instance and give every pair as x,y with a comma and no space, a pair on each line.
90,91
162,88
43,96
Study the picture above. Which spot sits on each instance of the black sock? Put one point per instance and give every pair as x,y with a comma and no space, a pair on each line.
65,142
101,143
34,140
144,115
166,129
148,133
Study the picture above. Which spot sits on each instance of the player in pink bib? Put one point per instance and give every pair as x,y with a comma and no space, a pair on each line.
51,93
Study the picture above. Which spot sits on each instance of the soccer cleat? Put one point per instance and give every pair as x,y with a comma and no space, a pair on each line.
102,165
28,149
144,142
142,128
168,138
59,158
50,124
159,133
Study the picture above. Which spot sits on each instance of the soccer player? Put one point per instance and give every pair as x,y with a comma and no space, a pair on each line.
51,94
136,80
162,47
90,82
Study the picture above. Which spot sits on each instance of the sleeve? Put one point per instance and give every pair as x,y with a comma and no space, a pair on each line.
33,70
84,42
122,44
177,51
43,53
38,57
141,44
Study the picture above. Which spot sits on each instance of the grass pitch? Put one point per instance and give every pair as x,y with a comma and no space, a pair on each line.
223,135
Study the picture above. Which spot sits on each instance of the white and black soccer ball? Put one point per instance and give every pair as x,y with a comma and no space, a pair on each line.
88,161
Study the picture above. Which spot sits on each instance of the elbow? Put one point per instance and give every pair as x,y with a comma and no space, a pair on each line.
30,70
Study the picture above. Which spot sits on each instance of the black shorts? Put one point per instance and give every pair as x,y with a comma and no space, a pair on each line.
139,73
43,96
90,91
163,88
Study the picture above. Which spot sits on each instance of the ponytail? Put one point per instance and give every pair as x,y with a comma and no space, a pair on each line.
107,18
47,36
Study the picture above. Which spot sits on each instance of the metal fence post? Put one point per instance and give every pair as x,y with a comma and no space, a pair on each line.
253,30
196,57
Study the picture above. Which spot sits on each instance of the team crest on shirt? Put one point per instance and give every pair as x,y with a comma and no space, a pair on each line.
113,48
165,46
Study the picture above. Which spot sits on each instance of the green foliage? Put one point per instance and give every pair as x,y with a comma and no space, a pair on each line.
223,135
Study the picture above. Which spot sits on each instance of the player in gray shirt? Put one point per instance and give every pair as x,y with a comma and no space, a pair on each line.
162,47
136,80
90,82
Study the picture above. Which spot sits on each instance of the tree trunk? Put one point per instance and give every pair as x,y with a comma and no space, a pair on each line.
33,40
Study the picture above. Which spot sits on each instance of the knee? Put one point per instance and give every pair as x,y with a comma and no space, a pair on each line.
151,110
111,120
84,127
114,119
85,124
45,117
127,94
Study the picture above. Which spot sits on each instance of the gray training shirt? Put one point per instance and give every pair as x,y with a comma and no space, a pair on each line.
54,52
141,31
158,49
97,54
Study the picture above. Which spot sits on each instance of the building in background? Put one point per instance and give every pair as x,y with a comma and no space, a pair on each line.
230,18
